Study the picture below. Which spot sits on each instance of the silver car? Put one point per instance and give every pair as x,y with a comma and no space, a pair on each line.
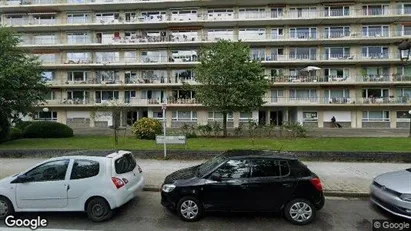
392,192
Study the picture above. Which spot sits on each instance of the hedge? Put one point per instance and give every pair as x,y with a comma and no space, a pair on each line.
47,129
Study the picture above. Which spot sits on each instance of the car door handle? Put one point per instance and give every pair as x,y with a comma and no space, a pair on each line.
286,185
68,187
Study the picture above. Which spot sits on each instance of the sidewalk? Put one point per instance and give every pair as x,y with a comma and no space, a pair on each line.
338,178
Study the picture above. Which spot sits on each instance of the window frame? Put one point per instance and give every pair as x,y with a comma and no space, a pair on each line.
271,177
72,169
48,162
247,163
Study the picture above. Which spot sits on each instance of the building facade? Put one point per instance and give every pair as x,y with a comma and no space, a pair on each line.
134,55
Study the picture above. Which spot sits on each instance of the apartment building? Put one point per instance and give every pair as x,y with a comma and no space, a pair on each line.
137,54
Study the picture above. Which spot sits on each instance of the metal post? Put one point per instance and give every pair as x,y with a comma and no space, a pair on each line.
409,115
164,128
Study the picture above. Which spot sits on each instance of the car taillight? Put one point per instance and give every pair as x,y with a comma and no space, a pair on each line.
317,184
139,169
117,182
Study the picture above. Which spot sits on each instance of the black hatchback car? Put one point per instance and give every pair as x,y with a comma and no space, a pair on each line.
245,180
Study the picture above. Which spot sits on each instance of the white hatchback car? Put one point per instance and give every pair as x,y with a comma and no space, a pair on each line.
96,185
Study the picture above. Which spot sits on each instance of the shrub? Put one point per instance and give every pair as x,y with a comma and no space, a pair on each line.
216,128
252,128
47,129
147,128
23,124
205,130
238,131
15,133
189,130
296,129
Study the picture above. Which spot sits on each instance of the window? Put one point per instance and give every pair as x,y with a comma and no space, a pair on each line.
84,169
375,31
374,52
336,32
337,53
336,11
184,56
303,53
375,93
375,9
234,169
125,164
153,16
303,93
277,12
220,14
303,12
78,57
310,116
184,15
245,116
252,34
78,38
277,33
218,34
107,57
257,53
77,76
218,116
337,93
51,171
375,116
153,56
158,115
77,18
269,168
107,17
403,115
184,116
48,75
51,115
251,13
303,33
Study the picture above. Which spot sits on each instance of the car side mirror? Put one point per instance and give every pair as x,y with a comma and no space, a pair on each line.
215,176
22,179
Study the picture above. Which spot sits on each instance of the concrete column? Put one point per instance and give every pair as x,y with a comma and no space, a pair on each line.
359,119
320,115
354,119
255,116
121,97
150,113
62,116
267,117
92,119
393,119
236,119
202,117
285,116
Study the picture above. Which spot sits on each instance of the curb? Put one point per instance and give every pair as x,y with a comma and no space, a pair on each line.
152,188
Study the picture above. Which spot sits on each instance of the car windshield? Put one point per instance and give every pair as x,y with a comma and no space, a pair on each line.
210,164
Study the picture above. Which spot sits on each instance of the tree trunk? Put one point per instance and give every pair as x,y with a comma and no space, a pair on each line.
224,124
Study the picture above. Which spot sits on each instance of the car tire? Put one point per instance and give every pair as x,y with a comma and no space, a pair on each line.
300,212
6,207
99,210
194,207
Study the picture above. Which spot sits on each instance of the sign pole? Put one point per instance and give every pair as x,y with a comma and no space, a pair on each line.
164,127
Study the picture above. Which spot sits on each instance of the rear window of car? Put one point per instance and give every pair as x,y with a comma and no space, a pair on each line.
269,168
125,164
84,169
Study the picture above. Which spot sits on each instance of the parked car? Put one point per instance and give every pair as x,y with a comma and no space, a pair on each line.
391,191
245,180
96,185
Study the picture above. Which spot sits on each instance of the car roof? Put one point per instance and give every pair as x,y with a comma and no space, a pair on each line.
247,153
78,155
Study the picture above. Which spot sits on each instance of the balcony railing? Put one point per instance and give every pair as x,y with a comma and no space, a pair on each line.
337,100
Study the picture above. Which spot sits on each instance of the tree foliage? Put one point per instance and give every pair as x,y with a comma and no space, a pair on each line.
228,79
21,83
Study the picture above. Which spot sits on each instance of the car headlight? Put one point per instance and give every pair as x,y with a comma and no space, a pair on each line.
168,188
406,197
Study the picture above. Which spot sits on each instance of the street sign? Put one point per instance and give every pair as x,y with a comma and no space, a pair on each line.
171,140
163,106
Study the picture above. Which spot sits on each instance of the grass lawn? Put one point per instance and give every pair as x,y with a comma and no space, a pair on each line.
219,144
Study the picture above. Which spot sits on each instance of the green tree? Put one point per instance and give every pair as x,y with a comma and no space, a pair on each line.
228,79
21,83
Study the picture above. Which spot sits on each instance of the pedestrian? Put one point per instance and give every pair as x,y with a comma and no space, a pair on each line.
334,122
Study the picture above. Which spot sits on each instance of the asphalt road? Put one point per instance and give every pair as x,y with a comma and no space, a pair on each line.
146,213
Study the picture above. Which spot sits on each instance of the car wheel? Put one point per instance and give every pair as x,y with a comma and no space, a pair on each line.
300,212
6,207
99,210
190,209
